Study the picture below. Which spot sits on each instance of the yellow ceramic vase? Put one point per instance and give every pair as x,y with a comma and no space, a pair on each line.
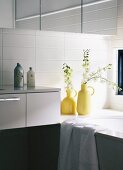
68,104
84,100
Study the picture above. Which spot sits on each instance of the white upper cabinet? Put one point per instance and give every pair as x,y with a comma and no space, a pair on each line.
27,14
99,17
7,13
61,15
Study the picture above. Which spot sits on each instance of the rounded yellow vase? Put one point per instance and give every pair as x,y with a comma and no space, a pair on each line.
68,104
84,100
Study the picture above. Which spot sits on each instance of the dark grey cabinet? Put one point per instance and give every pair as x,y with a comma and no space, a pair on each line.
32,148
110,152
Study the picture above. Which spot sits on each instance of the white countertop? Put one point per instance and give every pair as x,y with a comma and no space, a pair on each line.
103,113
37,89
105,121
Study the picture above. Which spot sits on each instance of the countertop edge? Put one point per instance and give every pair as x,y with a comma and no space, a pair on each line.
37,89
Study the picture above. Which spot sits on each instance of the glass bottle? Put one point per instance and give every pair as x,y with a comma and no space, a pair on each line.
18,76
30,78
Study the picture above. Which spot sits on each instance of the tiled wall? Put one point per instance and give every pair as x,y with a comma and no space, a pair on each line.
47,51
116,102
0,57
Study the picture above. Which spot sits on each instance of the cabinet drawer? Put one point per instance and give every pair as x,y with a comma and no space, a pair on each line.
43,108
12,110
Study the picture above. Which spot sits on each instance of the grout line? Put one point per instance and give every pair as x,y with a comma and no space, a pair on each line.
35,52
26,113
64,48
2,59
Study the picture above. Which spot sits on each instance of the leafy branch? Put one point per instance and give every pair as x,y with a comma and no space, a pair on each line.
98,74
67,76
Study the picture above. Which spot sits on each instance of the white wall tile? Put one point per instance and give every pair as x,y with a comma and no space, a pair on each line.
49,54
119,34
19,53
49,66
73,54
0,45
0,72
117,43
75,65
17,40
77,54
19,31
8,78
49,33
72,42
0,57
50,41
46,52
9,65
49,79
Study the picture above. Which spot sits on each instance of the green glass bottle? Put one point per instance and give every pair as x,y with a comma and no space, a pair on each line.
18,76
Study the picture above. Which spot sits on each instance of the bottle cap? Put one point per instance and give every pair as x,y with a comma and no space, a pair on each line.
30,68
18,64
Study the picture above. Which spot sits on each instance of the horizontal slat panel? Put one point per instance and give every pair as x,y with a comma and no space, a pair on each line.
58,22
26,8
55,5
63,14
68,28
99,25
104,5
67,21
33,24
104,32
119,2
100,14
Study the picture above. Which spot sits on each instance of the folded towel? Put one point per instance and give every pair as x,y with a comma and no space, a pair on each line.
77,147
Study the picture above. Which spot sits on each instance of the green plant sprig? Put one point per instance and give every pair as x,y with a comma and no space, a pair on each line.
67,76
96,75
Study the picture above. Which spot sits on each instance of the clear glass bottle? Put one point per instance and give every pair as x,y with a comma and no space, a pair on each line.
30,78
18,76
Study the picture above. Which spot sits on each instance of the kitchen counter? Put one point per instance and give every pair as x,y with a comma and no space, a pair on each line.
29,106
37,89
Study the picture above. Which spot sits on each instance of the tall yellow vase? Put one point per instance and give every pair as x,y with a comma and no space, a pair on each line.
68,104
84,100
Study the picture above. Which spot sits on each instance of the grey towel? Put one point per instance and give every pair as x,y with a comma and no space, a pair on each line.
77,148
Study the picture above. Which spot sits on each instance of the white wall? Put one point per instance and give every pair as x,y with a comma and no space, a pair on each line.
0,56
47,51
116,102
